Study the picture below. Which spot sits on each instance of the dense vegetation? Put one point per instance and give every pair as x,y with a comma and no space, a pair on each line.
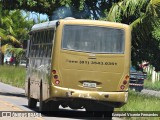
141,15
14,27
79,9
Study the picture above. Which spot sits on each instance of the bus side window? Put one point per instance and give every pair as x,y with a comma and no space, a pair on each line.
34,51
41,43
51,42
37,51
42,49
33,42
43,52
46,51
31,51
51,36
48,46
49,51
45,36
30,42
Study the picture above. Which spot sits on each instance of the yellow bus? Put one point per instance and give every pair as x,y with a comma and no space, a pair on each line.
79,64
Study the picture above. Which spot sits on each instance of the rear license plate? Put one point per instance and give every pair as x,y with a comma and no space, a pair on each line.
90,85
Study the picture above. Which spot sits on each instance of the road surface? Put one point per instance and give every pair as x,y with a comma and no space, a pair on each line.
13,99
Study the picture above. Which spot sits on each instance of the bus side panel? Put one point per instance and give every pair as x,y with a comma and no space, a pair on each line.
38,74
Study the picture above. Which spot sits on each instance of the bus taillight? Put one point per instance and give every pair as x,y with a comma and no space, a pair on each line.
54,71
57,82
127,77
55,76
125,82
122,87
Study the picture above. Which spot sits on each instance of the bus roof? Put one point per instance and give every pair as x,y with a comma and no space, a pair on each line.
45,25
52,24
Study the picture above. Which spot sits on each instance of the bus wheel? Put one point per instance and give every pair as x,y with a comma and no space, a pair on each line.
53,106
31,101
98,110
42,104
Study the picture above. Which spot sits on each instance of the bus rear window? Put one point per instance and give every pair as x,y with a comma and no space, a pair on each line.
93,39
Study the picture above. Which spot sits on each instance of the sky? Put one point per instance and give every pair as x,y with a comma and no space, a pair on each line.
42,16
34,15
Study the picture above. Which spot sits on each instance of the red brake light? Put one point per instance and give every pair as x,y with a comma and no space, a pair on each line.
54,71
122,87
55,76
125,82
57,82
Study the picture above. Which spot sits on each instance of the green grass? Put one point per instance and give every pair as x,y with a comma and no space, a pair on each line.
149,85
13,75
138,102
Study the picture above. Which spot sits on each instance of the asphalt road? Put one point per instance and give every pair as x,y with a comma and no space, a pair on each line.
16,98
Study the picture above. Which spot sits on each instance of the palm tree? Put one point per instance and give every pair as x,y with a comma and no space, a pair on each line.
14,28
7,30
143,17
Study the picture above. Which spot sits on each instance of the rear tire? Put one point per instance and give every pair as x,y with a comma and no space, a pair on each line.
53,106
99,110
47,107
42,104
32,103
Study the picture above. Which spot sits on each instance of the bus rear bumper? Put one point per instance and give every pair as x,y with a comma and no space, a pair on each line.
117,97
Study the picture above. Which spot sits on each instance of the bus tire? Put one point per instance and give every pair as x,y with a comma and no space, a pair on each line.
32,103
53,106
98,110
42,104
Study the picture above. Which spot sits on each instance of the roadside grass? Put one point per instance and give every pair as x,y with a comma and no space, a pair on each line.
141,102
138,102
13,75
153,86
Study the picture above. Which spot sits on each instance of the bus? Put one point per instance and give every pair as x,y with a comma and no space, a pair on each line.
77,63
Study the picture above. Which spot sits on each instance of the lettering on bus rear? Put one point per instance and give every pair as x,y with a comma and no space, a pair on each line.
91,62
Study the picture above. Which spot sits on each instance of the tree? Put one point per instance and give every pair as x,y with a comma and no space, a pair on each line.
79,9
14,29
18,53
6,30
143,17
